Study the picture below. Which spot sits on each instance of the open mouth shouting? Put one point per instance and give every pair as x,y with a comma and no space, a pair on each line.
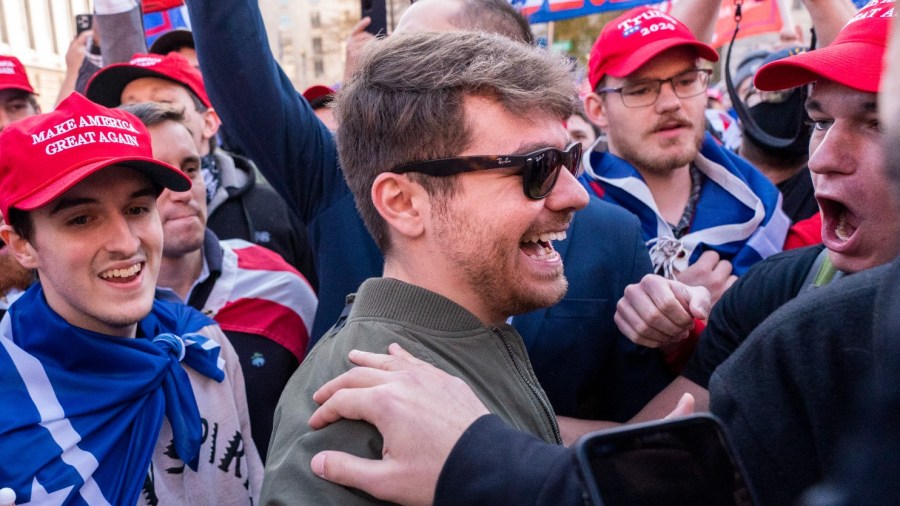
839,223
125,275
539,247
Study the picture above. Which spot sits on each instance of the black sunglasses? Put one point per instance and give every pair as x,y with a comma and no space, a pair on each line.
540,169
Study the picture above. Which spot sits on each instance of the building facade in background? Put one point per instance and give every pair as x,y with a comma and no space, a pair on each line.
308,37
38,33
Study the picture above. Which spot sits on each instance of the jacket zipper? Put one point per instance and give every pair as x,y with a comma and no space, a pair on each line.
548,411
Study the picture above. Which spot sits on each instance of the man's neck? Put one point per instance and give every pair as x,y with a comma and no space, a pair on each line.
429,277
180,273
776,173
671,191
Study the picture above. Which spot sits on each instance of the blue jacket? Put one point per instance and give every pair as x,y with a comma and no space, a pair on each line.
276,127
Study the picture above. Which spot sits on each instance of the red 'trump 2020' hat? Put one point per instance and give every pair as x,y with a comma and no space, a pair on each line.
43,156
854,59
105,87
634,38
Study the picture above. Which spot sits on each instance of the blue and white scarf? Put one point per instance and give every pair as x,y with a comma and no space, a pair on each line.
738,214
80,412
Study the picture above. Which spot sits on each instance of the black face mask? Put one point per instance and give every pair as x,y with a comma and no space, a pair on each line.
781,119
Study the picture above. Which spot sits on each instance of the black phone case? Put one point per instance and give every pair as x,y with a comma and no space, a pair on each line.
83,22
661,435
377,10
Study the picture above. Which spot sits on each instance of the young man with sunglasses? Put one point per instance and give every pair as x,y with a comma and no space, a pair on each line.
706,214
790,391
466,221
582,360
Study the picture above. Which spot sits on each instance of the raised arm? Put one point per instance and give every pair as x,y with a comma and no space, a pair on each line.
121,30
828,17
699,15
268,119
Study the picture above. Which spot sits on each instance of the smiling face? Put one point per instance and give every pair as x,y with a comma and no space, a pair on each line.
859,217
97,251
183,214
496,242
657,138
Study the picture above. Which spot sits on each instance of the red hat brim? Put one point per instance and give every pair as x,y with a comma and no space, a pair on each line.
106,86
850,64
161,173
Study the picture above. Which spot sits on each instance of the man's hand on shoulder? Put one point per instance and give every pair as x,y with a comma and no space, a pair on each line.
420,411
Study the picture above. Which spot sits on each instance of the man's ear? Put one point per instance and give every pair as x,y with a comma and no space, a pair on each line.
595,108
19,247
211,123
400,202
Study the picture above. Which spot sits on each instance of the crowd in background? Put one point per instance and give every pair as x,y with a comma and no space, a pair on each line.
206,273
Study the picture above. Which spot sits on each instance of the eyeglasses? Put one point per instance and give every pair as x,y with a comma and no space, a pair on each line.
643,93
540,169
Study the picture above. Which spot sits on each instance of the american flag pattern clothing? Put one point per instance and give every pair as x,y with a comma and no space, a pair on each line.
259,293
738,214
81,412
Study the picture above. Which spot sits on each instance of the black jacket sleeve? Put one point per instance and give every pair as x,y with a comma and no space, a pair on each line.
492,463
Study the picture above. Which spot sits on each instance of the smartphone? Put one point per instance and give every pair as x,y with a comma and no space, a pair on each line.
663,463
83,22
377,11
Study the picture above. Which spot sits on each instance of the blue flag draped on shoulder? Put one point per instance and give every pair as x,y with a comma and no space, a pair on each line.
738,213
80,412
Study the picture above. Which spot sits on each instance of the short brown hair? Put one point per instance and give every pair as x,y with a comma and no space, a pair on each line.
405,104
155,113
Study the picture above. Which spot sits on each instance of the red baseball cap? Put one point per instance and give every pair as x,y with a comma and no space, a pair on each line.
43,156
105,87
317,91
12,75
854,59
634,38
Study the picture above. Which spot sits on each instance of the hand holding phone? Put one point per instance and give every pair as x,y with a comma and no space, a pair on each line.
83,22
376,10
663,463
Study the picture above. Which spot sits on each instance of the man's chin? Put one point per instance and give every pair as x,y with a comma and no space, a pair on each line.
543,298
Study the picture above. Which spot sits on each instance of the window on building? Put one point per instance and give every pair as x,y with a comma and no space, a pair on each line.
319,67
4,35
315,20
53,37
29,25
317,44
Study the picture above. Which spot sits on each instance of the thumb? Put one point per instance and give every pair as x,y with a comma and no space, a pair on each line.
345,469
698,299
684,407
361,25
695,299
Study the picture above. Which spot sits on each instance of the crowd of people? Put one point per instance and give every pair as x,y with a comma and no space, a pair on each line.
425,285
